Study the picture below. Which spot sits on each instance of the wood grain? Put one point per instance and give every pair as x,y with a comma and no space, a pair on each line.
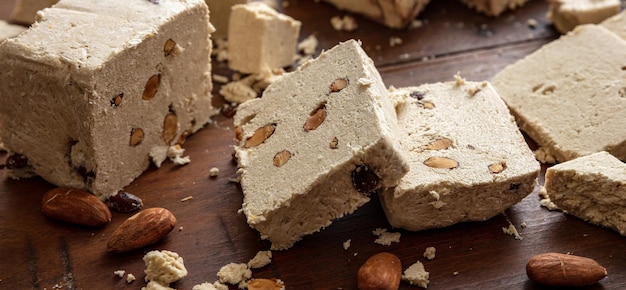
38,253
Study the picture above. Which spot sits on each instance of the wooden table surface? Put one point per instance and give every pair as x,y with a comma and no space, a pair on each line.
39,253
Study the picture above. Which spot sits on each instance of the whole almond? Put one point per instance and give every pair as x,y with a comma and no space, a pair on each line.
144,228
75,206
265,284
381,271
554,269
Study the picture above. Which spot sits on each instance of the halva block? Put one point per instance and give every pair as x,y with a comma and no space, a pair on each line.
86,104
592,188
316,144
220,15
260,38
468,159
567,14
569,95
394,14
494,7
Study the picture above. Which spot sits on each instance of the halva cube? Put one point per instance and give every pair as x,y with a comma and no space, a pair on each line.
468,159
569,95
394,14
220,15
92,88
260,38
317,143
567,14
592,188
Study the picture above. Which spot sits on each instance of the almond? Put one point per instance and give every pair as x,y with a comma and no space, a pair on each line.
144,228
554,269
381,271
75,206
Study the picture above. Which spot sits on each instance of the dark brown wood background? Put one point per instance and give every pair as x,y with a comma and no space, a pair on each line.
39,253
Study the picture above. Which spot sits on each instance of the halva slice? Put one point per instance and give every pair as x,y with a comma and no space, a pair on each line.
260,38
569,96
392,13
592,188
468,159
317,143
494,7
567,14
86,104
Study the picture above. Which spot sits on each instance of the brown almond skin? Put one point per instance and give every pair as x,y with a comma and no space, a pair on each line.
554,269
75,206
142,229
382,271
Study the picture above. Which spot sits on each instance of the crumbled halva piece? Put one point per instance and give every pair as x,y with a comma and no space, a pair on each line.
164,267
416,275
545,199
119,273
567,14
566,95
249,87
346,244
234,273
208,286
260,260
152,285
130,278
220,15
429,253
592,188
103,96
469,162
344,23
616,24
494,7
302,161
25,11
394,14
385,238
512,230
260,38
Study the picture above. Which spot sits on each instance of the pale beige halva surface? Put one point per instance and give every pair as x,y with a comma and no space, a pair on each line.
492,167
617,24
25,11
355,145
494,7
567,14
392,13
570,95
220,15
592,188
84,89
8,30
260,38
